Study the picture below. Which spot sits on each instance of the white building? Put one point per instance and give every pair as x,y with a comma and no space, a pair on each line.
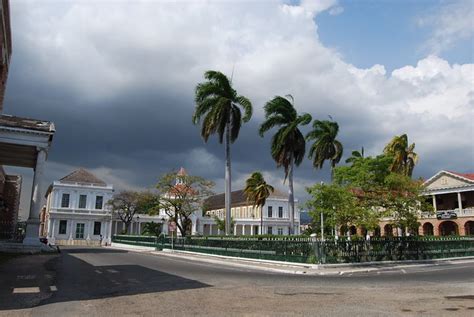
76,210
247,219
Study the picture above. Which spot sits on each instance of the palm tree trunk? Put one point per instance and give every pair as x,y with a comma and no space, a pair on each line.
227,179
261,219
291,198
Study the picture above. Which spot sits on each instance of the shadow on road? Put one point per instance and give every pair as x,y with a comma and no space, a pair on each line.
67,278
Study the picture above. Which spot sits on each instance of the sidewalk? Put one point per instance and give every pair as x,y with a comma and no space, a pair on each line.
292,268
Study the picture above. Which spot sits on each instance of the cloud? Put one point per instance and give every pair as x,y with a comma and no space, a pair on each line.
336,10
451,23
118,81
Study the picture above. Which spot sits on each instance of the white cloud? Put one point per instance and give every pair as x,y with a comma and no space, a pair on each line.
451,23
336,10
103,50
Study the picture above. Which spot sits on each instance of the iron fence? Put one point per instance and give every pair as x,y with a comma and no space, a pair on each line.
307,250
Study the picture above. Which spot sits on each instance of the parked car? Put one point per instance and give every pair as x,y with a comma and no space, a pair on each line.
446,214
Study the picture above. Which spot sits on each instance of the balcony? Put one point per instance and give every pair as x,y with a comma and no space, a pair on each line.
81,211
449,214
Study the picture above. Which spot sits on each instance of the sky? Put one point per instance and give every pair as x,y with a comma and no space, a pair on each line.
117,78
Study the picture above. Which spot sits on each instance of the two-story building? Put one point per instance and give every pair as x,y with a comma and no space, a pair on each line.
76,211
247,218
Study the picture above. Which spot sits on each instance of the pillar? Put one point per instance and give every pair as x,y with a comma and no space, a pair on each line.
460,204
139,229
89,228
235,230
251,229
434,202
52,230
116,222
33,223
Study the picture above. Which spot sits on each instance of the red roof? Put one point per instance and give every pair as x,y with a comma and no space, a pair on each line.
465,175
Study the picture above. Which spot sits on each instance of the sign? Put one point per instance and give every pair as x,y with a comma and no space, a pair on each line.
172,226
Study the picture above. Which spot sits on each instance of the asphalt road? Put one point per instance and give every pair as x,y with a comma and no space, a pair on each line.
105,282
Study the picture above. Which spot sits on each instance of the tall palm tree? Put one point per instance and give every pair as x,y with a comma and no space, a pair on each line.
355,156
404,156
325,146
288,143
220,107
257,191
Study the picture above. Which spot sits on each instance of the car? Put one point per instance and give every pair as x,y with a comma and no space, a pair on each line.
446,214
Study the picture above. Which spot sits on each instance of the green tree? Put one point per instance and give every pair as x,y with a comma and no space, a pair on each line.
152,228
257,191
288,145
355,156
180,195
220,107
325,145
220,223
403,154
126,204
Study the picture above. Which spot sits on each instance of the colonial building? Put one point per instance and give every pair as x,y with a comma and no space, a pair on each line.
246,218
76,210
452,196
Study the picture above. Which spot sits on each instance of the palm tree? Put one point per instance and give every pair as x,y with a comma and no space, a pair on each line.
355,156
325,146
404,156
257,191
288,143
219,106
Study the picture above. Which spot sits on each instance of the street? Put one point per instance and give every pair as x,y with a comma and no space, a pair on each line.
106,282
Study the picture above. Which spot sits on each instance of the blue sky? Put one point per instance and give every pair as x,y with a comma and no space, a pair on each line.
386,32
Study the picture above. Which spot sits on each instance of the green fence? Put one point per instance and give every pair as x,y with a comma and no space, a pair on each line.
306,250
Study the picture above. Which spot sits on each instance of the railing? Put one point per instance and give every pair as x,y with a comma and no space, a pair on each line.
305,250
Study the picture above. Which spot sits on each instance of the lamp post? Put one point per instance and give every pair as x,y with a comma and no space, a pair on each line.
138,225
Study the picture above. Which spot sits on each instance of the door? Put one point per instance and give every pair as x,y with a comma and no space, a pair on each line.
80,231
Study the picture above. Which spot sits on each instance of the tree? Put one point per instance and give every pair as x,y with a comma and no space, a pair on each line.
404,156
325,146
125,205
220,105
288,145
257,191
181,195
221,223
340,208
152,228
355,156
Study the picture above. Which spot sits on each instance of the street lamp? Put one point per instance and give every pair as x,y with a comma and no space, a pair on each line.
138,225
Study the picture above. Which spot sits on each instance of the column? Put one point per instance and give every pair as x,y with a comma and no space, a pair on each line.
235,230
460,204
243,230
89,227
251,229
71,230
139,229
33,223
434,202
116,222
52,230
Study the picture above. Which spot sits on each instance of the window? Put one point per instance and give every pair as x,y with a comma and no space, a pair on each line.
97,225
270,211
269,230
99,202
82,201
280,231
80,231
65,201
280,212
62,226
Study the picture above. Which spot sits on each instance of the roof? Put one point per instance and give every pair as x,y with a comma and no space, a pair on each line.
469,176
238,198
182,172
26,123
82,176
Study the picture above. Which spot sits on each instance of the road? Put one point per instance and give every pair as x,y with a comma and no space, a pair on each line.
106,282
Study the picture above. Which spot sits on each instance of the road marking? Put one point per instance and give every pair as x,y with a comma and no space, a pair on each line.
26,277
98,272
26,290
53,288
404,272
112,271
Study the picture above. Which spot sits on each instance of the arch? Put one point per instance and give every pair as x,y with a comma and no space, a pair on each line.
448,228
343,230
377,231
428,229
388,230
352,230
469,228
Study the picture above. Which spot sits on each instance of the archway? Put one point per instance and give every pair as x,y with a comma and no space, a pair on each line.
448,228
388,230
469,228
377,232
428,229
353,230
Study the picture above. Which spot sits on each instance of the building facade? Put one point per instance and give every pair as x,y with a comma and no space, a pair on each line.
76,211
247,219
452,196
